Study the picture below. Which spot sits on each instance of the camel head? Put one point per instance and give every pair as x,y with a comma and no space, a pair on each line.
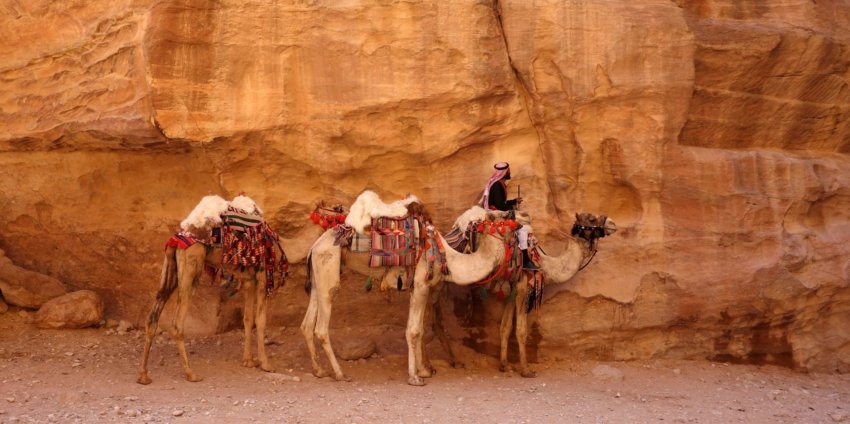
417,209
592,227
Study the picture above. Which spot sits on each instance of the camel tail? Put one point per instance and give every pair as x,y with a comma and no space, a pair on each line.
167,284
308,282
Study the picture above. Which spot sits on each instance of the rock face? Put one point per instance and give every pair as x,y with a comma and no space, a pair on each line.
714,132
78,309
26,288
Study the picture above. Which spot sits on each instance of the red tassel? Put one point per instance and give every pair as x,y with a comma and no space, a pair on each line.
324,223
492,230
480,228
502,230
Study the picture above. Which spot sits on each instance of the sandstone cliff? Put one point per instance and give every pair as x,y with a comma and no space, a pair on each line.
715,134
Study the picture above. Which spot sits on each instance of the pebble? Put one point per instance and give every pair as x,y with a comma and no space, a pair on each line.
677,371
177,413
837,417
10,399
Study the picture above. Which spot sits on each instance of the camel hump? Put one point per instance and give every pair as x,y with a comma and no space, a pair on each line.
369,205
246,205
473,214
206,214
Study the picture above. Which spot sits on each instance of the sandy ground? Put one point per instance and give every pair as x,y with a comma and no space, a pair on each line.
89,376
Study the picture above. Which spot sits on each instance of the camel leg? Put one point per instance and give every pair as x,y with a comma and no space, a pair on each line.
505,332
440,331
188,273
248,290
166,289
522,326
308,327
422,346
260,319
415,322
326,298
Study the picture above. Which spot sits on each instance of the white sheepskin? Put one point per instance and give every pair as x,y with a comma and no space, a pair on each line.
474,214
246,204
206,214
369,205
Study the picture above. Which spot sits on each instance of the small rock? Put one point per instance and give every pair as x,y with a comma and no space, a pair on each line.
147,418
177,413
10,399
607,372
356,348
677,371
3,306
123,327
111,323
281,377
838,417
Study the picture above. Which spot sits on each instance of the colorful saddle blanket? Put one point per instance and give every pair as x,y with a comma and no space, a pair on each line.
248,241
183,240
394,242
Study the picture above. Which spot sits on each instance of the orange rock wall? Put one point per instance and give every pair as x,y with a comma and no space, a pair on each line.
715,135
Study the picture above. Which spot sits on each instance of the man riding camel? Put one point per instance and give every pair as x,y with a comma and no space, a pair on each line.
496,191
495,197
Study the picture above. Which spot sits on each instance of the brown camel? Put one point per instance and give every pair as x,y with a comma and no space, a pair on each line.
587,231
181,271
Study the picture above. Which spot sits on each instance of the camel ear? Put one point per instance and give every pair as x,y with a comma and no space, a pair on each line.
577,218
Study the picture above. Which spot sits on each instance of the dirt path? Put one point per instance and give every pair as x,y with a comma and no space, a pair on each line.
89,376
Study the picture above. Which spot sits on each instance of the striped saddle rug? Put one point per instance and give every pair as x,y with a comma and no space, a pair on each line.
394,242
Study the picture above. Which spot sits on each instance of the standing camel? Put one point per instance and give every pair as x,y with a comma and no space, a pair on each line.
324,264
464,269
182,269
581,246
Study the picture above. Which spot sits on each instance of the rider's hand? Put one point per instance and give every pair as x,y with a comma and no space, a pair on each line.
518,200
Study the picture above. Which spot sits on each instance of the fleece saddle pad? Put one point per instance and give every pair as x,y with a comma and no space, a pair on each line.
393,242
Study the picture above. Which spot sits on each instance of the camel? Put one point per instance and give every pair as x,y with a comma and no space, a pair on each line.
325,262
581,247
182,269
464,269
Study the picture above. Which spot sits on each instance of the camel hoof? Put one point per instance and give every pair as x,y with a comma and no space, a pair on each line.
193,378
426,373
144,379
320,373
416,381
249,363
528,374
266,367
342,377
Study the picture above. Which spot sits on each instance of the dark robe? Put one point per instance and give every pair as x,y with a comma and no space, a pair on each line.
498,199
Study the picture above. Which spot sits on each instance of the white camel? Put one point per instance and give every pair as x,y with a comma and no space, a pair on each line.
464,269
182,268
324,266
581,246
